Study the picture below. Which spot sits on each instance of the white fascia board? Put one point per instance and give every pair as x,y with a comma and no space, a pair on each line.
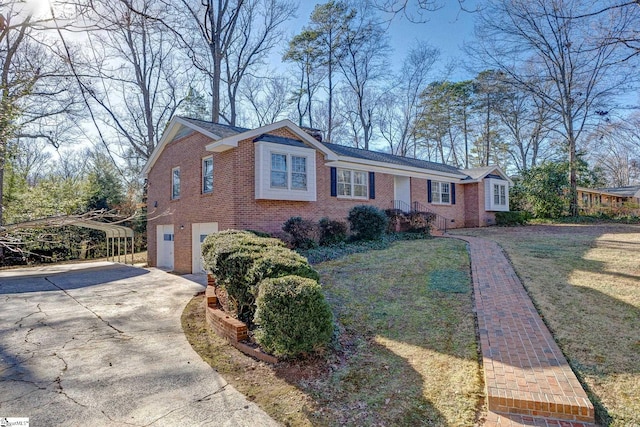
232,141
174,126
390,168
490,171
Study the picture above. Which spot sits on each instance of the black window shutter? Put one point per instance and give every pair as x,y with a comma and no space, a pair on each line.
453,193
334,182
372,185
429,190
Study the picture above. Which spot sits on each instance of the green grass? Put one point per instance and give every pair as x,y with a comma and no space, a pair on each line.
585,281
410,355
405,351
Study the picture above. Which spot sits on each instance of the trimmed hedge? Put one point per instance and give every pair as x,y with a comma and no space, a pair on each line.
512,218
293,317
240,260
229,255
368,222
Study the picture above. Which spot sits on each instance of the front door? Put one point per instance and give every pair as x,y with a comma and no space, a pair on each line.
402,193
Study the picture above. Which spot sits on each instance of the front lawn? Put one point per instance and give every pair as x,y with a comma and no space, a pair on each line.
406,351
585,281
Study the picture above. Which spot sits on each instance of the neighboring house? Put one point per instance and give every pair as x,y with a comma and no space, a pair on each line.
205,177
609,200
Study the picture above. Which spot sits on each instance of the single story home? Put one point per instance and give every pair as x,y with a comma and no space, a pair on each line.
205,177
611,199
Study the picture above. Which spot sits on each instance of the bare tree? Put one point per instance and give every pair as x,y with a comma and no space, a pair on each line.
399,113
260,29
363,64
231,38
568,68
527,124
131,71
616,149
268,96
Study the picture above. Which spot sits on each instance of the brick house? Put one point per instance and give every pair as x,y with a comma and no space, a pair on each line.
611,200
204,177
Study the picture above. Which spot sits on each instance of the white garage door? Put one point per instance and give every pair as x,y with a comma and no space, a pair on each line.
199,231
165,239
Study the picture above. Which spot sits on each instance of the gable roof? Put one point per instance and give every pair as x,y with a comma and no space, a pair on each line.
225,137
478,174
222,130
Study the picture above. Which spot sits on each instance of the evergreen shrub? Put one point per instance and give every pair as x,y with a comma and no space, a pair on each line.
367,222
303,232
293,316
332,232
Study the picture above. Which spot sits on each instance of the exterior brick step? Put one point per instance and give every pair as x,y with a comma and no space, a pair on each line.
502,420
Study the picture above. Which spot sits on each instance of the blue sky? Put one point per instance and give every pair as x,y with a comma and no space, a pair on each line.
447,29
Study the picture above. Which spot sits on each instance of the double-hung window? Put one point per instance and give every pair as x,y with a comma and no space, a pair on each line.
288,171
440,192
499,194
298,173
285,172
496,194
207,175
352,183
278,170
175,183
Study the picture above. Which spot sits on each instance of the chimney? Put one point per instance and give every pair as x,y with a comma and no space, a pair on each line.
315,133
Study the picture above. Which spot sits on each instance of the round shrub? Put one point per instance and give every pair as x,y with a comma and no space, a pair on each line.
367,222
303,232
293,317
332,232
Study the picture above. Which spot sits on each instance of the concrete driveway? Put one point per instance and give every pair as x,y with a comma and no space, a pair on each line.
100,344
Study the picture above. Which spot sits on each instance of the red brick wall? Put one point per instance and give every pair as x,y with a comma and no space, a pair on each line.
472,214
454,213
233,205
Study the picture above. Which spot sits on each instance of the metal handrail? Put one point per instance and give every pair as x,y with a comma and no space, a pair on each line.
440,221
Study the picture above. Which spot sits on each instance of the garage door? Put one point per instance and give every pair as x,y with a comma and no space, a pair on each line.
165,238
199,231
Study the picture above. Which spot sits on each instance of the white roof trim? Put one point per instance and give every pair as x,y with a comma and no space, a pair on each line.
174,126
232,141
490,170
392,169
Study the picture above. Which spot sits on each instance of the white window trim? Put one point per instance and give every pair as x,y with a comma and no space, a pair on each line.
352,185
490,194
202,190
263,189
289,170
173,183
439,192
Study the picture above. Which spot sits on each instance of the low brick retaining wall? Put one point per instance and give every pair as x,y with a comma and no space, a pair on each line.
228,327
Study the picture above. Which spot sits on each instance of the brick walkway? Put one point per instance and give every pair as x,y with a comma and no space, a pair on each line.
528,382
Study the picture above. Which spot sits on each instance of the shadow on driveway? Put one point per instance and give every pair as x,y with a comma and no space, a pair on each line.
67,277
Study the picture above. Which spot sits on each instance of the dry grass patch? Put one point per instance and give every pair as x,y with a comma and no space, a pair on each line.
406,351
585,281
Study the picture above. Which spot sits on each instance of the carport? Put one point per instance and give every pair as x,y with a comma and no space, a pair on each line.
117,235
